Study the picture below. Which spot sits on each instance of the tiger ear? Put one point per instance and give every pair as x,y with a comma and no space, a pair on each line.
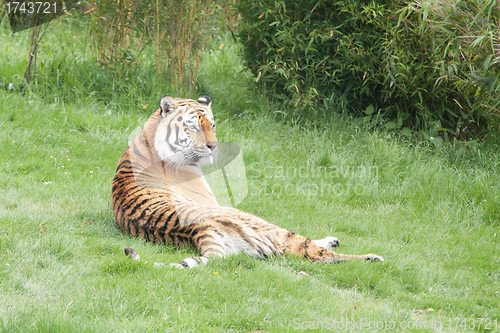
205,100
167,105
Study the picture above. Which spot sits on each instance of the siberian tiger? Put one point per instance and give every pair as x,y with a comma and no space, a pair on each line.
159,193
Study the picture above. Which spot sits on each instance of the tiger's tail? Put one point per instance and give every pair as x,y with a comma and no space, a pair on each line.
303,247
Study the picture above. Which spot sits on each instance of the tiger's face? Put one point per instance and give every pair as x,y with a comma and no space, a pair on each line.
186,133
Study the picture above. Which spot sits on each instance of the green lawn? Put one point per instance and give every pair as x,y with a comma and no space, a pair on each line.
430,209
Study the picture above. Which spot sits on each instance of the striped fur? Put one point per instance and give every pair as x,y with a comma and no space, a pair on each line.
159,193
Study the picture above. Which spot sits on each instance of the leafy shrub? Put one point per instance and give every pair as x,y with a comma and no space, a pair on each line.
380,58
467,40
122,29
140,49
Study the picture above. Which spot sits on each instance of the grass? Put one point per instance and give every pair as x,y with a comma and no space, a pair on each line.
430,210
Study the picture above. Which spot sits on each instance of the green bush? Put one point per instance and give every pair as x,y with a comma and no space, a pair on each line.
377,58
467,42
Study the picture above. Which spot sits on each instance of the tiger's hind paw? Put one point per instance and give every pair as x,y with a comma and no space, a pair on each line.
373,257
327,242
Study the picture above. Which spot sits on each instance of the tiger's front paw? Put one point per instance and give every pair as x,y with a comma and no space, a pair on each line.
190,262
130,252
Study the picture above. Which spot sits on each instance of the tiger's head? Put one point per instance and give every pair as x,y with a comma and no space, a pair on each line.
186,132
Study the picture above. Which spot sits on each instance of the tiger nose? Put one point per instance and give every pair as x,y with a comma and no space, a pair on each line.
212,145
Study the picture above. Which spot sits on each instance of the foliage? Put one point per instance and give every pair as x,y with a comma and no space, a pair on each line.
125,33
468,43
376,58
121,29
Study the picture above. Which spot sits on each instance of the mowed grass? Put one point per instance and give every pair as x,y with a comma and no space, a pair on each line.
431,210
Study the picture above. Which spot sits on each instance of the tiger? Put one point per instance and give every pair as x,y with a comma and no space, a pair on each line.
159,193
